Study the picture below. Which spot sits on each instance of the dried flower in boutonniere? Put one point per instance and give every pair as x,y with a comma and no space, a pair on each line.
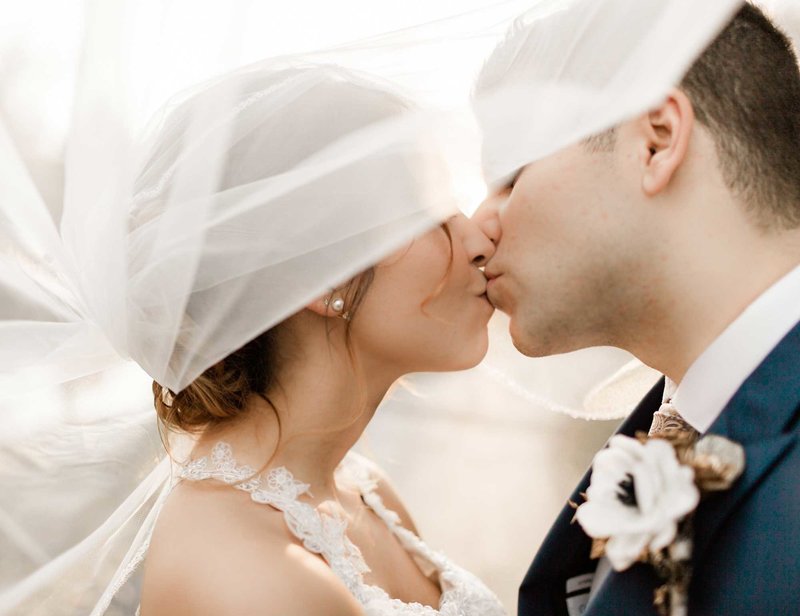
641,499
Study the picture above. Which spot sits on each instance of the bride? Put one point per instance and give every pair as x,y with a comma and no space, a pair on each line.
272,513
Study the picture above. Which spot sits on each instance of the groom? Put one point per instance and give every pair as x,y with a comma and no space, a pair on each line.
676,235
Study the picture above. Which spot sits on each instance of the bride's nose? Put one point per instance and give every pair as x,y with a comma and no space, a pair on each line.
477,245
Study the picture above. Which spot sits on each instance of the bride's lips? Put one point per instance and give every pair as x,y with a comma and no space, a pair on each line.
481,293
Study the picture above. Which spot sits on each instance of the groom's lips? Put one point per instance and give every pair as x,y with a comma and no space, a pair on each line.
490,278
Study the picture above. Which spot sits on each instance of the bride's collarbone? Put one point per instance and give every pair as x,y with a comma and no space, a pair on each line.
209,534
220,556
395,570
392,567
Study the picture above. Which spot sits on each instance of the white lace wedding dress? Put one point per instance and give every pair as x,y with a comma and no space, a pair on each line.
462,593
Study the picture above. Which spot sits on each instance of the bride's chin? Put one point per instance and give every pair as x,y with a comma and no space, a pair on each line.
477,352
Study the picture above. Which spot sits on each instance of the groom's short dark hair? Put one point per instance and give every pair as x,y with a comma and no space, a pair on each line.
745,89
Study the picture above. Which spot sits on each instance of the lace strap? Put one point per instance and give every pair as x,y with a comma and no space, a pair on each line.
319,533
359,471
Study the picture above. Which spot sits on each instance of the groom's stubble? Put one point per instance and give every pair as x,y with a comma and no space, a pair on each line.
572,260
656,239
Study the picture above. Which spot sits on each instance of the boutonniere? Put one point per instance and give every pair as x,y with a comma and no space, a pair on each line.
641,500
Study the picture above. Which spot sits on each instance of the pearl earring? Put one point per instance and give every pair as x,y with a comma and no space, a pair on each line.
337,305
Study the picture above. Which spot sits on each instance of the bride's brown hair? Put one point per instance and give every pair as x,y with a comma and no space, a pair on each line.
220,394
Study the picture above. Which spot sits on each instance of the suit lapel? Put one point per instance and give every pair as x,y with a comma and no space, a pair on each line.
760,458
760,417
566,549
628,592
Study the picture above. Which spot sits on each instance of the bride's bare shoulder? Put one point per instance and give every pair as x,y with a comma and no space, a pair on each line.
386,490
215,552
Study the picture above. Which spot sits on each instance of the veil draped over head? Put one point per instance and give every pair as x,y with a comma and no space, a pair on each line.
176,241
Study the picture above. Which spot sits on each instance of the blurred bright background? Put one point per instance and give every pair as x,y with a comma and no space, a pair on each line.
481,457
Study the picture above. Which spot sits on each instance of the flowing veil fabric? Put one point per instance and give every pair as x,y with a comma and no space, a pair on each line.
166,252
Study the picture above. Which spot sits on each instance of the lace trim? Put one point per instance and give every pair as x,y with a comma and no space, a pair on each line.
356,470
462,593
320,533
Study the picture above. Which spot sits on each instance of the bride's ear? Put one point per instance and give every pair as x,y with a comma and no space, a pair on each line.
665,135
332,304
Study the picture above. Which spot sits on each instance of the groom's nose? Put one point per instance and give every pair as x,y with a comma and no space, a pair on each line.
478,248
487,216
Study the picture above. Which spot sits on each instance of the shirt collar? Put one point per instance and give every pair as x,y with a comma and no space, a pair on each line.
714,378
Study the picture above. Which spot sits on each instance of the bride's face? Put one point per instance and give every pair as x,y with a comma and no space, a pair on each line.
426,309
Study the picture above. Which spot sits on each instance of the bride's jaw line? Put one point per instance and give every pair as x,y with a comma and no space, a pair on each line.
323,402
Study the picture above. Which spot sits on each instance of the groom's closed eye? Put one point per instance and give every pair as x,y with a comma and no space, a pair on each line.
505,183
514,178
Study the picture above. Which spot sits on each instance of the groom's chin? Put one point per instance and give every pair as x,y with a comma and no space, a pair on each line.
527,347
530,343
546,343
522,340
523,348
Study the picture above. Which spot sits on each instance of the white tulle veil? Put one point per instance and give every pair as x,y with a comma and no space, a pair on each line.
177,240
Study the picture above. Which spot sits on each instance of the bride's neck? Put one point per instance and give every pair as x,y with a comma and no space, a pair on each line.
310,420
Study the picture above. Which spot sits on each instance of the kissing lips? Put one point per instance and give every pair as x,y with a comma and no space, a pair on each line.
491,283
492,292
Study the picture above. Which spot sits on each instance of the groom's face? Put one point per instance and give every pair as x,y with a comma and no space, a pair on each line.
562,241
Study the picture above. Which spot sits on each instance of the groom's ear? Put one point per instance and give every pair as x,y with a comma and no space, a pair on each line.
665,134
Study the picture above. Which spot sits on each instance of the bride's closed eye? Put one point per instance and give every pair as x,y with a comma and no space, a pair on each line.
446,226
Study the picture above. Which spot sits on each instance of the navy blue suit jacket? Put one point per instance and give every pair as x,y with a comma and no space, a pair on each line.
746,558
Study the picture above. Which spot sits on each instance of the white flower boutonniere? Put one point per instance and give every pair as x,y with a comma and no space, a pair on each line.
640,502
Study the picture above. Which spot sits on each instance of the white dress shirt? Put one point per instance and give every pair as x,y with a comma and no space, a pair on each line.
718,373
